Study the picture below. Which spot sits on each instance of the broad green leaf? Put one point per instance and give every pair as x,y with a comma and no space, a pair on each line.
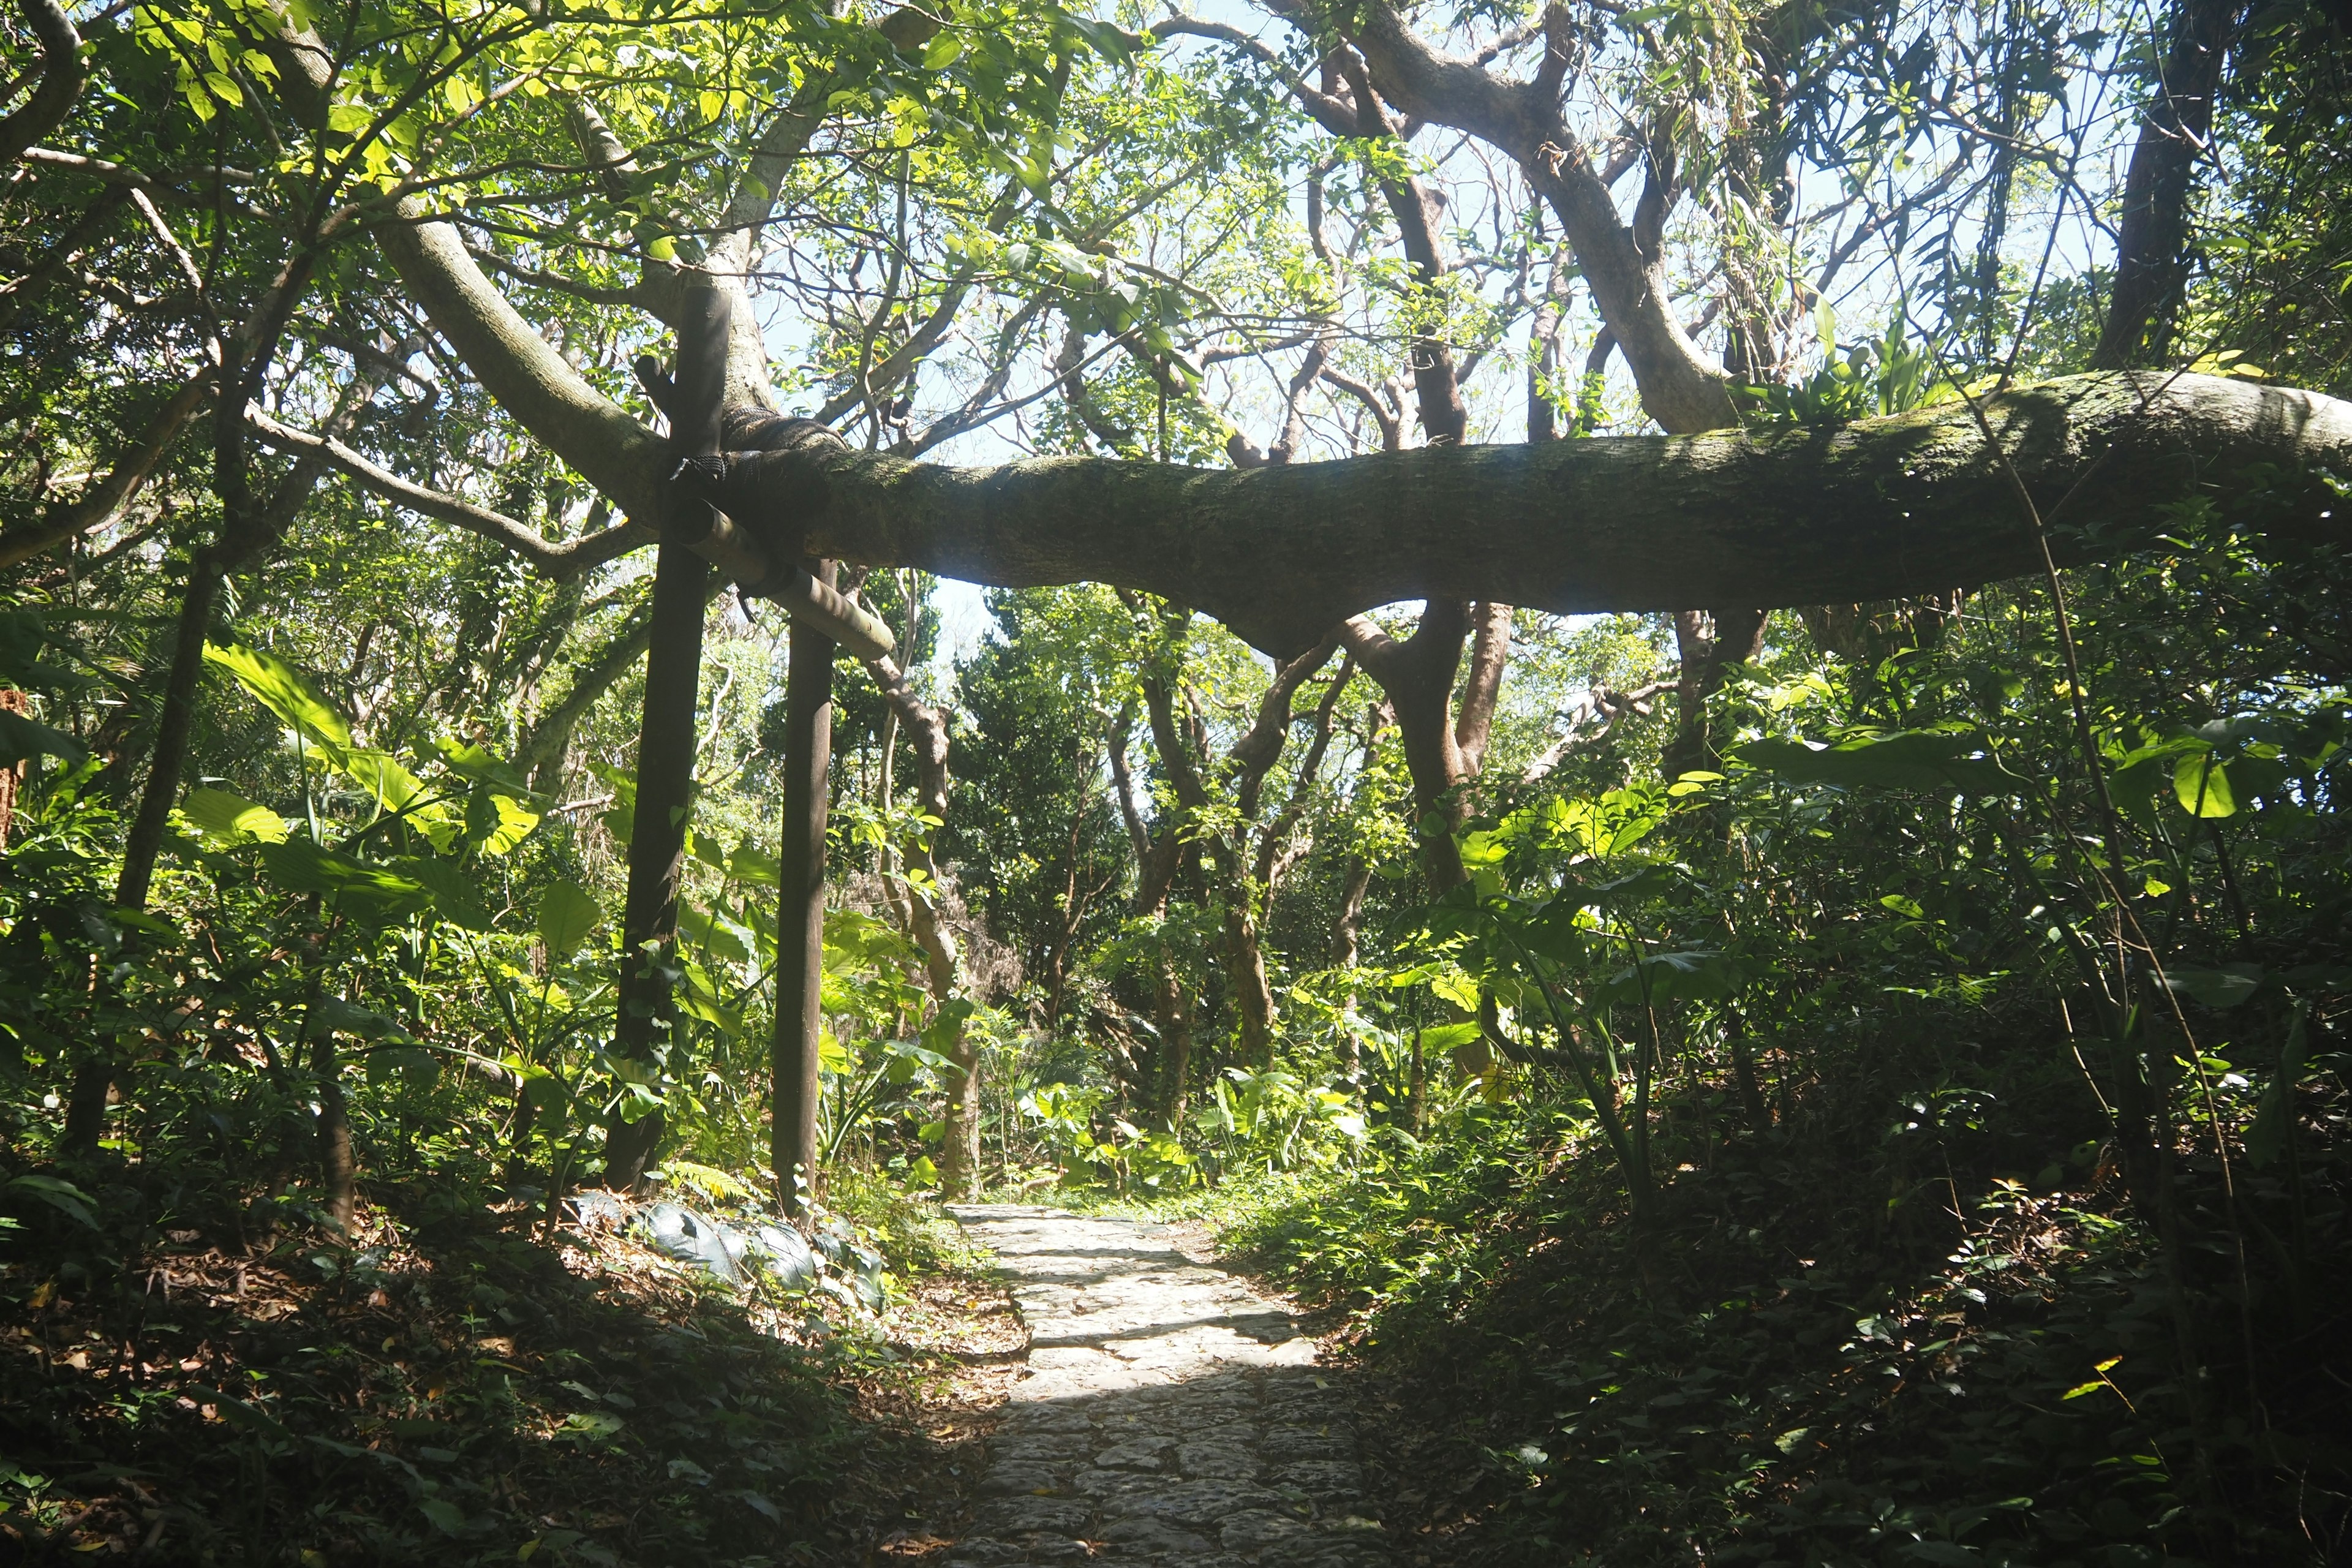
2200,782
231,818
567,914
514,825
474,762
2217,988
456,893
22,739
1449,1037
334,1016
748,865
59,1195
383,775
301,866
714,933
1895,759
285,691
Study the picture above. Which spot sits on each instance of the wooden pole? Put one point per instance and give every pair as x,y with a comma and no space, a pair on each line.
800,914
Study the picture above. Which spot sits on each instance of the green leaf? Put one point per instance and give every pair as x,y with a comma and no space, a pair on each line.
285,691
456,894
714,933
1895,759
510,825
301,866
568,915
544,1092
446,1517
943,51
2274,1118
2200,782
22,739
380,773
1676,975
238,1412
59,1195
231,818
334,1016
2220,988
481,766
1448,1036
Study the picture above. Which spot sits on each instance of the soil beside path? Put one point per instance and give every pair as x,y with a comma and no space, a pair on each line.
1168,1413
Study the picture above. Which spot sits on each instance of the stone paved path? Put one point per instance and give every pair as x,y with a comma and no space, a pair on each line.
1169,1415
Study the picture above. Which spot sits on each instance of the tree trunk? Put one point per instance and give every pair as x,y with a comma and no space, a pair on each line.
800,913
926,732
94,1078
338,1171
1418,674
2152,238
645,1029
1173,1013
1709,646
1878,509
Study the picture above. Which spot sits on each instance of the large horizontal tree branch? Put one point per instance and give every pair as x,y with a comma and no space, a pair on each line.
1879,509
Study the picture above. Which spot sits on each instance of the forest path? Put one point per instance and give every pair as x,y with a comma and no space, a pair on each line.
1169,1413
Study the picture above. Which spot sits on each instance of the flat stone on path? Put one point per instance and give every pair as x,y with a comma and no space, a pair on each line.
1169,1413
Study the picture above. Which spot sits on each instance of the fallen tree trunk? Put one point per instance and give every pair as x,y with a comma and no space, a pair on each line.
1911,503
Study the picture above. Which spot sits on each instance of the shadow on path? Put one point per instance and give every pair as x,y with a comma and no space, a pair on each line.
1169,1413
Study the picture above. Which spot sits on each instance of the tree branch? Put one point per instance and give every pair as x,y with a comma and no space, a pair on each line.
61,83
1875,509
102,501
557,561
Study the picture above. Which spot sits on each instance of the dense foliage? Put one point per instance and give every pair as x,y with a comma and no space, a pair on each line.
1859,1083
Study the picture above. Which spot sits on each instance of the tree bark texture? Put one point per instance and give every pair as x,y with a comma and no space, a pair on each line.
666,743
799,912
53,96
657,843
1877,509
926,731
2152,235
1708,643
1417,675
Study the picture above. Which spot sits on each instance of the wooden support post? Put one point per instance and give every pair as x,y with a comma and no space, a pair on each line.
665,733
800,913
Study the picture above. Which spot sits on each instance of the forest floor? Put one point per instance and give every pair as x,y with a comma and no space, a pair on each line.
449,1383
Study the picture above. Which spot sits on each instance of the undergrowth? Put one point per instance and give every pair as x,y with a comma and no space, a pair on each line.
189,1377
1865,1332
